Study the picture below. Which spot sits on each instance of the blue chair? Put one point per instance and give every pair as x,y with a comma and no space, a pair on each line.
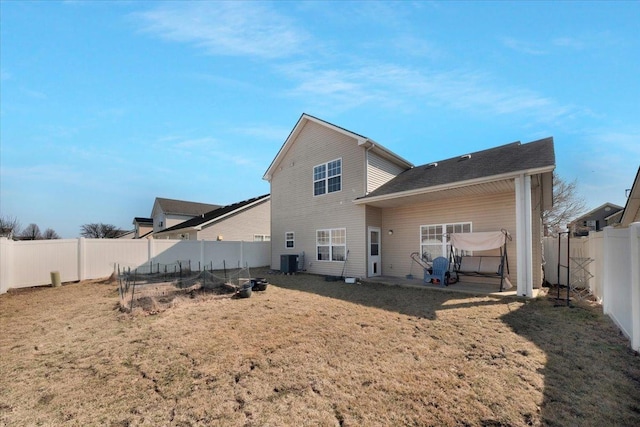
439,270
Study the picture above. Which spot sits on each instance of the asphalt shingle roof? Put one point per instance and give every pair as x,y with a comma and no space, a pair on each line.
213,214
181,207
504,159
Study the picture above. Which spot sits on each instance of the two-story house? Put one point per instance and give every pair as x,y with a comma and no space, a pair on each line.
354,208
248,220
596,219
169,212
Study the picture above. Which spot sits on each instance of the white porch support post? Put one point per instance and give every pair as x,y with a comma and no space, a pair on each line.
524,236
634,251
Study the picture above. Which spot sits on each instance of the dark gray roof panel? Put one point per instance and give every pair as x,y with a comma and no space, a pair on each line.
181,207
500,160
215,213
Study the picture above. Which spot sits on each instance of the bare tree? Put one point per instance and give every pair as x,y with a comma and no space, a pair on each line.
567,205
100,231
50,234
31,232
9,226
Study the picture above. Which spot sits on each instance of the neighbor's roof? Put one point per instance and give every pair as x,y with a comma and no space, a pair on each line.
181,207
140,220
499,162
632,207
362,141
217,214
613,209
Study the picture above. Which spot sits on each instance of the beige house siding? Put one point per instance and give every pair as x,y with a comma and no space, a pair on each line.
142,230
295,209
168,221
380,171
486,213
241,226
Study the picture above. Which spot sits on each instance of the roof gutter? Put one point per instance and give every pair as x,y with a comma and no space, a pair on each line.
450,186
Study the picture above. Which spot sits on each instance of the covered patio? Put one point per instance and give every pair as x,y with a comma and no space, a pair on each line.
471,286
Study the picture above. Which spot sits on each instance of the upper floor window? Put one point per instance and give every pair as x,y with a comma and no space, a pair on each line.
261,238
289,239
327,177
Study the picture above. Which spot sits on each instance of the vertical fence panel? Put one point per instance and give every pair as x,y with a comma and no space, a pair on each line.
102,255
596,252
30,263
634,254
617,278
33,261
6,264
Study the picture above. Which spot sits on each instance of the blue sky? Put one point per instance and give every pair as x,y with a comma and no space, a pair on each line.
107,105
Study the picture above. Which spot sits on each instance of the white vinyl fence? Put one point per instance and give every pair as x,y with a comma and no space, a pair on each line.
30,263
608,263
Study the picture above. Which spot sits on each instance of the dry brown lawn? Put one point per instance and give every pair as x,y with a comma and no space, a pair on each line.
315,353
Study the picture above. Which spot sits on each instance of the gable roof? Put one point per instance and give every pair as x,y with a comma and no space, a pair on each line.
632,207
141,220
181,207
362,141
216,215
502,162
613,209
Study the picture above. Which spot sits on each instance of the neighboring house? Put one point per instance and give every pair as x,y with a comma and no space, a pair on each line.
169,212
632,207
130,234
354,208
249,220
594,220
143,227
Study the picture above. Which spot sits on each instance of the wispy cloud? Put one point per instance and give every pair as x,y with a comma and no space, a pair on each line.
214,150
51,174
34,94
522,46
264,132
626,142
394,85
569,42
256,29
226,28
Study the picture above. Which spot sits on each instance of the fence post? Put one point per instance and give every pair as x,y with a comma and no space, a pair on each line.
606,266
201,262
6,264
150,249
634,251
82,257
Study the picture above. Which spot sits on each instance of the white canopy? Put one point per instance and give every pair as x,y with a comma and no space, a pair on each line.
480,241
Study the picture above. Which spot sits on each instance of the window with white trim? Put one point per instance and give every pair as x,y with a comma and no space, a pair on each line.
331,244
327,177
289,239
261,238
434,240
